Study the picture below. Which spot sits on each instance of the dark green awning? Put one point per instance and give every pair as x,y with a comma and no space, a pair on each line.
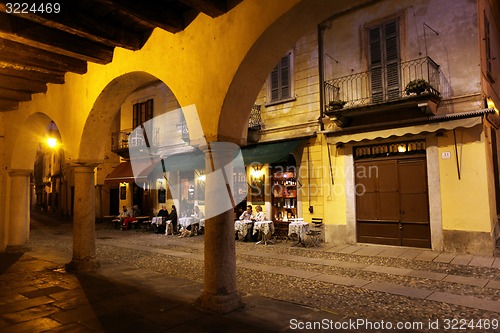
268,153
185,162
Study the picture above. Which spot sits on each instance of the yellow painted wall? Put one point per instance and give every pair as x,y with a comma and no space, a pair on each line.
465,201
297,117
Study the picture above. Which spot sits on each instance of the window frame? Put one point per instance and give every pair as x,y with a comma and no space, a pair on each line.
280,99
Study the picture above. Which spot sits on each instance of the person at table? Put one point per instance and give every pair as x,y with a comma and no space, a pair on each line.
132,218
260,216
123,215
159,226
163,212
247,214
173,217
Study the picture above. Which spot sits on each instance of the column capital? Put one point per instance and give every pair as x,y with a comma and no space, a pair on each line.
83,163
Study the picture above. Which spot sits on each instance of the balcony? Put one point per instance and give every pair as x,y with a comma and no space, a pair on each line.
384,93
122,140
254,124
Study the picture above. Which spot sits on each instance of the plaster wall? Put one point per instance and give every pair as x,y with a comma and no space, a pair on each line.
454,47
465,201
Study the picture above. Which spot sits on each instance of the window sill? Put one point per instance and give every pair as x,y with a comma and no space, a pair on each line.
281,101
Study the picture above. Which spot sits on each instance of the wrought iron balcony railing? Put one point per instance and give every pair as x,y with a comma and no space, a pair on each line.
382,85
123,140
255,121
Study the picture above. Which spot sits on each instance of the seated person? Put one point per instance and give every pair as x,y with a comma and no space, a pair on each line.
159,228
197,216
132,218
260,216
173,217
247,214
123,215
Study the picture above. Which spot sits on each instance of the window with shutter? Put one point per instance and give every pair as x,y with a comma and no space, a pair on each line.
142,112
280,80
384,61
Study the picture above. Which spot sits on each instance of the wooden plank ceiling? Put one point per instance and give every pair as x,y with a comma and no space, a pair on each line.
37,47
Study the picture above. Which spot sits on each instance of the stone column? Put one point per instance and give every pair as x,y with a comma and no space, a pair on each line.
19,213
220,293
84,250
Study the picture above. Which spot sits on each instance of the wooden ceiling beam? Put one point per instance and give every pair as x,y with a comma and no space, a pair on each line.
19,54
16,95
78,23
9,82
49,39
164,17
8,105
212,8
31,73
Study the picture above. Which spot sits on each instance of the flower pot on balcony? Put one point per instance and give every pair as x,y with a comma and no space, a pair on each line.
417,86
336,104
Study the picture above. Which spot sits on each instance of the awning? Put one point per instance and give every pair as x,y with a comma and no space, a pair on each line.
267,153
185,162
445,124
122,173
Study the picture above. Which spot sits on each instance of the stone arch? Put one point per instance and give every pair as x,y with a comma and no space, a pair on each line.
263,56
29,136
104,111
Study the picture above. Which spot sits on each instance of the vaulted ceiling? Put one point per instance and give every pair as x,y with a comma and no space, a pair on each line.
38,47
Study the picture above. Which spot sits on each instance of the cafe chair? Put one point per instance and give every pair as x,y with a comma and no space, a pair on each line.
281,230
315,231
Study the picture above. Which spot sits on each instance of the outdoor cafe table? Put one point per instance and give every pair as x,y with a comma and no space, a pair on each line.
189,220
242,227
266,228
299,228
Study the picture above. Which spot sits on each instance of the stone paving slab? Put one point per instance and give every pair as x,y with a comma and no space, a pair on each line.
427,275
462,259
398,289
466,280
468,301
410,254
496,263
494,284
350,249
445,257
482,261
369,251
393,252
387,270
33,326
427,256
342,280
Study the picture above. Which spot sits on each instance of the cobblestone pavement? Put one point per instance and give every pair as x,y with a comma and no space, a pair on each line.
149,282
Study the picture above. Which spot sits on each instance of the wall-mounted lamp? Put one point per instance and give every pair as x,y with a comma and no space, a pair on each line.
51,142
256,170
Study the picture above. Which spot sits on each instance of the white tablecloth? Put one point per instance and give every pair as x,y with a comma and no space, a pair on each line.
299,228
187,221
242,227
266,227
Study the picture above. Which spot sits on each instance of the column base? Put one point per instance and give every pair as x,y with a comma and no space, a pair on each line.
16,248
220,303
82,265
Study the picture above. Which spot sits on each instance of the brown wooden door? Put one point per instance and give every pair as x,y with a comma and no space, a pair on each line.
392,202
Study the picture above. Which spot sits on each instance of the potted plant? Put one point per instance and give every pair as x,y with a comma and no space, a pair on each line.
336,104
417,86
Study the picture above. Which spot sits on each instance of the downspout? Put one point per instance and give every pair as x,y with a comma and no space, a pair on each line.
321,76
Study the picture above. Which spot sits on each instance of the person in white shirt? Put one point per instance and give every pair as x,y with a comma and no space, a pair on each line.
260,216
247,214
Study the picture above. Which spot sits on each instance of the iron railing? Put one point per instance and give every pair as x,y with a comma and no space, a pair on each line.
123,139
359,89
255,121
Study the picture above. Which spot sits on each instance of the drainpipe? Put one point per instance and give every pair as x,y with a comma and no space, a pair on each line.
321,76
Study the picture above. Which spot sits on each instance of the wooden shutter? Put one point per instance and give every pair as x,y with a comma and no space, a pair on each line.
384,61
285,77
280,80
392,59
376,64
487,44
